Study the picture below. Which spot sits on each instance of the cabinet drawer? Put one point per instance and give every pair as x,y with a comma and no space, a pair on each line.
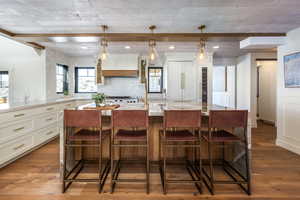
14,148
17,115
45,120
12,131
45,134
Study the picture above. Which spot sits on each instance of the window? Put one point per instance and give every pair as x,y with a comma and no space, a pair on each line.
4,86
155,76
61,78
85,80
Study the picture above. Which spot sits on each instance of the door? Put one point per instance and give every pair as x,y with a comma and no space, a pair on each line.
181,84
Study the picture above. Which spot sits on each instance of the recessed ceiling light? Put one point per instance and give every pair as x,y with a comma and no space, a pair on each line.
216,47
172,47
127,47
84,47
59,39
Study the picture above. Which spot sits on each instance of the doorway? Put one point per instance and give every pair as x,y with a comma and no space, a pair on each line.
266,90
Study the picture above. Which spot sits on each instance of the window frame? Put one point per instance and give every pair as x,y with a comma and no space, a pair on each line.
161,78
76,80
65,77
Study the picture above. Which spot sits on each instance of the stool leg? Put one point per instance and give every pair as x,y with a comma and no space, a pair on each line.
100,164
64,168
148,165
111,165
248,170
165,166
211,168
200,162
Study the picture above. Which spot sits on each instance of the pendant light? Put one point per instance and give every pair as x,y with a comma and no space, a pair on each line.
202,44
152,44
104,44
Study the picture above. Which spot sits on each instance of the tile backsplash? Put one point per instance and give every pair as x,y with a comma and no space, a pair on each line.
122,86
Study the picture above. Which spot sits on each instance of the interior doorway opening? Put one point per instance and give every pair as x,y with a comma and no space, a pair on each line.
266,90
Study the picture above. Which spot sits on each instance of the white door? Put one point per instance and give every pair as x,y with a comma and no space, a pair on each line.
181,81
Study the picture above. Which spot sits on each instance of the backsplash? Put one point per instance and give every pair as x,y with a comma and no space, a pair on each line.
122,86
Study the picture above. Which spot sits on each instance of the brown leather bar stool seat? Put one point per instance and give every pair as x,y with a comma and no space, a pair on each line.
85,134
131,135
83,129
180,135
130,129
220,123
181,129
221,136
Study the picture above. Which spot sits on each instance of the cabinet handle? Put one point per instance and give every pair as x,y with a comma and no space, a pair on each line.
18,147
49,133
50,108
19,115
49,119
18,129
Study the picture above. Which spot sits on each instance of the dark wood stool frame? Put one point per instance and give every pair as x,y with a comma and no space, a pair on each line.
85,119
134,120
182,119
218,121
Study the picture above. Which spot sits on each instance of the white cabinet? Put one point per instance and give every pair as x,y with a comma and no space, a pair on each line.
181,81
22,131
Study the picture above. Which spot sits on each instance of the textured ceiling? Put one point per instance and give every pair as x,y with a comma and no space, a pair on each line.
174,16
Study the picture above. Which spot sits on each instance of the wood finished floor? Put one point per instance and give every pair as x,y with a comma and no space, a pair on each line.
276,175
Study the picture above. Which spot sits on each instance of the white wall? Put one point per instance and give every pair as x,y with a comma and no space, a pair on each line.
26,70
52,58
244,82
220,96
247,82
288,99
267,90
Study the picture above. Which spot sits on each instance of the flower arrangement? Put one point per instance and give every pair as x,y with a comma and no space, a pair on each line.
99,98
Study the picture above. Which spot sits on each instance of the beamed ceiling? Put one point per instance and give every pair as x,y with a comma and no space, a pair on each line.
134,16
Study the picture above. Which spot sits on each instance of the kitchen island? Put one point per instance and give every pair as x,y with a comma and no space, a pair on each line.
156,110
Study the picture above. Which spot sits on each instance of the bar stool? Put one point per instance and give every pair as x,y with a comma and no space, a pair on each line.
83,126
220,122
183,129
130,126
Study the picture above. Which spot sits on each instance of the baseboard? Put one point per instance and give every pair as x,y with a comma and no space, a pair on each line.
290,147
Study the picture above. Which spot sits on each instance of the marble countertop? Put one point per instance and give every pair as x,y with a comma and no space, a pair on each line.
156,108
10,107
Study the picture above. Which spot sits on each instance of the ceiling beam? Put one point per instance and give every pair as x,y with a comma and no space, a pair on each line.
5,32
120,37
11,35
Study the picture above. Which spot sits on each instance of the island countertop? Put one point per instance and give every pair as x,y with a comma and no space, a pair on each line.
156,108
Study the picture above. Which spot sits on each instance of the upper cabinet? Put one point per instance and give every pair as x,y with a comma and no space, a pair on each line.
121,62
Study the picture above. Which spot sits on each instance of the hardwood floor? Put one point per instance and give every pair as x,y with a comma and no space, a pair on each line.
276,175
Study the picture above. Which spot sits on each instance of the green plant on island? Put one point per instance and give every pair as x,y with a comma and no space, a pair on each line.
66,92
99,98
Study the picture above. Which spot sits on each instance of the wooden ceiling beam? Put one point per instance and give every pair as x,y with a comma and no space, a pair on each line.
11,35
7,33
141,37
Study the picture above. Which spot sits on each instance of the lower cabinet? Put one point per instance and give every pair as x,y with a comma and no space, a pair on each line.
14,148
36,126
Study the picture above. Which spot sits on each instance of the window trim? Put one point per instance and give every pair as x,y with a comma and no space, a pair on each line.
162,80
76,79
66,80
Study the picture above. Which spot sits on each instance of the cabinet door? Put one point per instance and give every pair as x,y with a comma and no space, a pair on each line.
189,90
173,84
181,81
